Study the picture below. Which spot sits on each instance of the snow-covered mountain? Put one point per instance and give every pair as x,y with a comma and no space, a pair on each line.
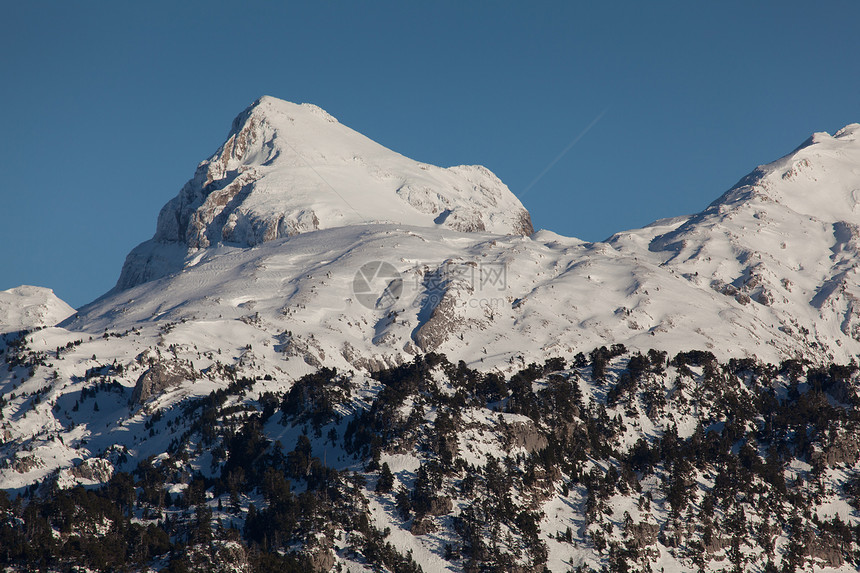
786,238
302,245
760,272
26,307
287,169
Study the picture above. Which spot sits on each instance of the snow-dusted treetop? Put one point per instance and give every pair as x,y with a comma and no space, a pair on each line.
286,169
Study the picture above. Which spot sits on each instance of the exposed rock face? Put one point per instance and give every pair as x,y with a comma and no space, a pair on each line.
440,505
321,559
221,557
372,363
716,543
525,435
824,550
422,527
643,534
96,470
24,464
844,450
309,350
444,320
89,472
158,378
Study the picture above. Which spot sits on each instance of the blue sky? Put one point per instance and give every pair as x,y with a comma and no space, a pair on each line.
109,106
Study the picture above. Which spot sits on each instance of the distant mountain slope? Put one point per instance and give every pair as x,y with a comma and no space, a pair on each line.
784,242
26,307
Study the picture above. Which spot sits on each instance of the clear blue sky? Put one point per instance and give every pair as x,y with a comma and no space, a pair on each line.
109,106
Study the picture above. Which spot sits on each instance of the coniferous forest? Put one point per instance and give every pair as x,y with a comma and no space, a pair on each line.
614,460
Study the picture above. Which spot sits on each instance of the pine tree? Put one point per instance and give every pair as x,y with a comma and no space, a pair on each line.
386,479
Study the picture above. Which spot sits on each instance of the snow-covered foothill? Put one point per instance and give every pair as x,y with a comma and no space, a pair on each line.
27,307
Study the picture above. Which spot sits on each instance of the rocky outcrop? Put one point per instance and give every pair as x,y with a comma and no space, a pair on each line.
308,349
159,377
219,557
440,505
845,449
644,537
643,534
444,320
321,559
824,550
95,470
524,435
24,464
422,527
371,363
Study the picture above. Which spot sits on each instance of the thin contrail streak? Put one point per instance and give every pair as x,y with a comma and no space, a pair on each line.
564,152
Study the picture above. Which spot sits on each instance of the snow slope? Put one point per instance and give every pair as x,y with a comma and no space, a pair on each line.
26,307
783,242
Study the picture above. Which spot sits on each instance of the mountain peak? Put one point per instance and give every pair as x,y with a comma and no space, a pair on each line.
819,179
28,306
268,106
290,168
